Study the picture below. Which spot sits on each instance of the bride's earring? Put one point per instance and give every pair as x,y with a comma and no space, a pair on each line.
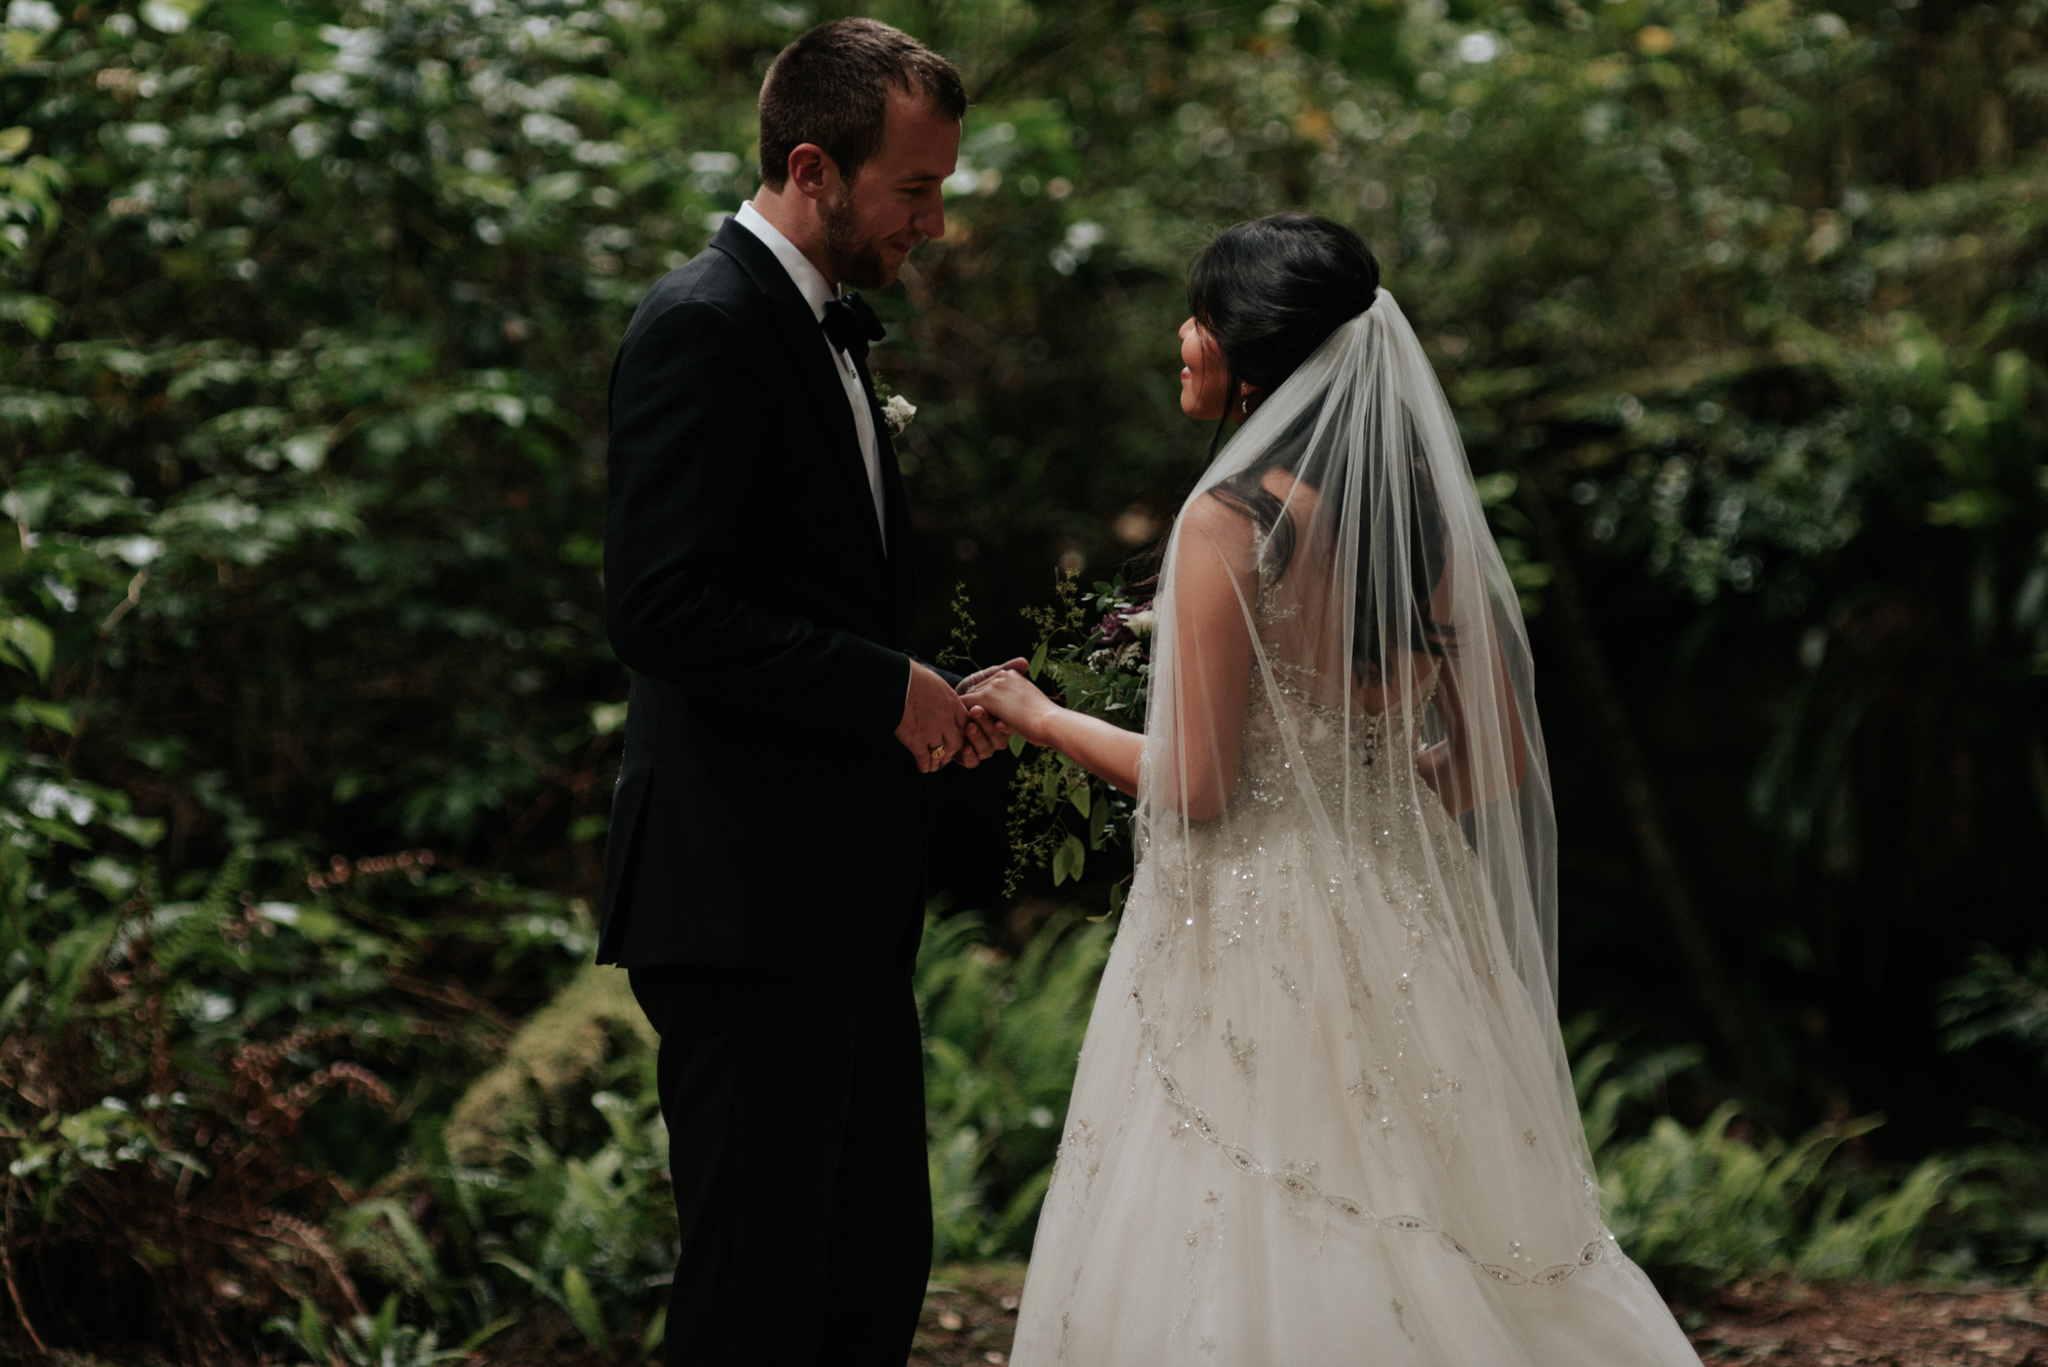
1245,405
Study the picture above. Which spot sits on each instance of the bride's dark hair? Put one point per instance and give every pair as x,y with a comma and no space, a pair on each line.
1271,291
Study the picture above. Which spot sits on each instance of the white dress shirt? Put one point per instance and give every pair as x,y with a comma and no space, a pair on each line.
818,292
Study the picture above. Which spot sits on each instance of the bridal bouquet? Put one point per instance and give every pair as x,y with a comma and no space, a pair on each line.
1094,652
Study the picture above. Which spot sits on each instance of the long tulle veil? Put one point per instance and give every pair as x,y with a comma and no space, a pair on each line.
1343,521
1323,1114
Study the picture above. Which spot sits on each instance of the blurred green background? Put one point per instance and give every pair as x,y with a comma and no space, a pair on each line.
306,311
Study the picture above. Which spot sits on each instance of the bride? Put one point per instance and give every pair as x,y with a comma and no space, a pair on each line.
1323,1114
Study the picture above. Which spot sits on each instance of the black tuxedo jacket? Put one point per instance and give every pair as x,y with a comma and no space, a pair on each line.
765,815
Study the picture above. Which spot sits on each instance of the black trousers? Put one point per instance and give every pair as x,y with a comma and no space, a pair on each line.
795,1112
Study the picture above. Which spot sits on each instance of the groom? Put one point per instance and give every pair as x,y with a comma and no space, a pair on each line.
764,877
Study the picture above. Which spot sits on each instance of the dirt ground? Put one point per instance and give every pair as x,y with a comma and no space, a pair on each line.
1782,1323
970,1314
970,1317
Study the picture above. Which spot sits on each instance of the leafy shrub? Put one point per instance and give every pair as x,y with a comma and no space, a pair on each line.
563,1054
1002,1036
545,1181
188,1089
1997,999
1702,1206
593,1235
517,1200
147,1128
366,1341
549,1185
549,1182
2002,1216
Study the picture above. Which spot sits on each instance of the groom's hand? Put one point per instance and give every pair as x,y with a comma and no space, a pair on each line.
984,734
934,720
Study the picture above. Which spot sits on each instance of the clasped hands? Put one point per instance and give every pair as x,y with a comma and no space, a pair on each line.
941,725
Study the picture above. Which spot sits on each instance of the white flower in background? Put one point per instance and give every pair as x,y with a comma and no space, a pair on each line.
37,16
1141,624
1478,48
897,411
1079,244
169,16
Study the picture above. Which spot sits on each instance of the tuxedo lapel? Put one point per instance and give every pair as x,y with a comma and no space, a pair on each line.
901,541
811,365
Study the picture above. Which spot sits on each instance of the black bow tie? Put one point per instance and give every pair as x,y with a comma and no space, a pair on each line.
851,325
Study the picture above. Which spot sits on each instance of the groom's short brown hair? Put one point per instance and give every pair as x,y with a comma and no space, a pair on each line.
831,87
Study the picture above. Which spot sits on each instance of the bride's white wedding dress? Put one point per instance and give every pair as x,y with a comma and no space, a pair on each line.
1320,1116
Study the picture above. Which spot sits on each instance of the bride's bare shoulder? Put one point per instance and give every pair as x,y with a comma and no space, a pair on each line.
1216,523
1218,515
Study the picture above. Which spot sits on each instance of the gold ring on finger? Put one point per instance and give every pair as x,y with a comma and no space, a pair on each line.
938,754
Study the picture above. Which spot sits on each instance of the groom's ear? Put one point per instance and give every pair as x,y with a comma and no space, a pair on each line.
812,172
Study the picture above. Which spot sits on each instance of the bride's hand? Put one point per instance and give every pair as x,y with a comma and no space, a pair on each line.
981,676
1011,698
984,734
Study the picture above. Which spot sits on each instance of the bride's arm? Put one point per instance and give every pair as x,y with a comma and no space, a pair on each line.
1108,752
1213,583
1215,577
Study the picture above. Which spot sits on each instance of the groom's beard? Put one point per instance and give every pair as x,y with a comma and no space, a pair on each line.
855,260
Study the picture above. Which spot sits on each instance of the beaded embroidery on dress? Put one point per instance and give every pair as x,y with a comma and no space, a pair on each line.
1321,1115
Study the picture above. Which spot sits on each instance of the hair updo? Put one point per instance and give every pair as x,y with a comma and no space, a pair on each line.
1271,290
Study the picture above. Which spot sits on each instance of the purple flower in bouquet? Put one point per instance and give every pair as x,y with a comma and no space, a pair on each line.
1126,625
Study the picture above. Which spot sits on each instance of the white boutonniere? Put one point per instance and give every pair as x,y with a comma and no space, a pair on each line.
897,411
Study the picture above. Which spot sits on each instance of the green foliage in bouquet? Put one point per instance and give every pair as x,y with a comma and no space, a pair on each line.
1104,671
